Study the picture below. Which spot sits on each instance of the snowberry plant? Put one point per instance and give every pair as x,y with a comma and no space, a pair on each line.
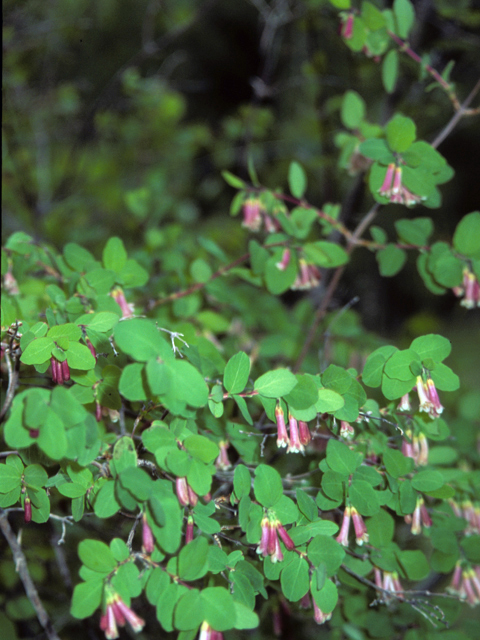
217,473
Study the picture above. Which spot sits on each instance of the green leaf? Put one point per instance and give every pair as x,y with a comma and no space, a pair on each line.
427,481
102,321
10,478
294,579
87,597
131,384
189,611
219,608
137,482
444,378
416,231
106,504
69,330
244,617
328,401
297,180
396,463
276,383
400,131
340,458
390,71
267,485
114,255
306,504
202,448
414,564
325,254
193,560
404,16
353,109
466,238
97,556
327,597
432,346
237,371
381,528
363,497
77,257
140,339
326,550
188,383
233,181
38,351
304,533
80,357
52,439
72,490
399,364
242,481
376,149
391,260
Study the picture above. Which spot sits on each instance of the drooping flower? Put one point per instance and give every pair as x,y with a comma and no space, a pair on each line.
222,462
361,533
295,446
342,537
189,530
185,494
422,457
27,506
346,27
428,402
269,543
346,430
389,585
404,404
470,290
118,613
386,188
119,297
419,517
60,371
434,399
286,539
318,615
304,433
308,277
262,548
252,214
282,435
284,262
148,543
393,189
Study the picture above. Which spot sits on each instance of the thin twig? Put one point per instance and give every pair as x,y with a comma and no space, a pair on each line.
22,569
12,385
456,117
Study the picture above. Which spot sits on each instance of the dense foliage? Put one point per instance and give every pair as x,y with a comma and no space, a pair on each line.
183,454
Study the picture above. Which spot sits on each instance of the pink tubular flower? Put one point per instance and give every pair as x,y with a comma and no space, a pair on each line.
419,517
181,487
386,188
265,538
468,587
361,534
295,446
304,433
422,458
423,398
148,543
118,613
222,462
346,27
454,586
434,399
282,435
286,539
404,404
284,262
407,444
470,289
389,584
346,430
308,277
119,297
92,348
252,214
189,530
342,537
27,514
60,371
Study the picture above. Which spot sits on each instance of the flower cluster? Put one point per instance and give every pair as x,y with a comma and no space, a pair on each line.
269,542
470,290
466,583
428,397
118,613
393,189
300,434
470,512
415,447
254,214
419,517
389,584
308,277
185,494
361,533
60,371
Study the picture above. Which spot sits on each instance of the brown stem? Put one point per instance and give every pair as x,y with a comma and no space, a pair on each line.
462,110
22,569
